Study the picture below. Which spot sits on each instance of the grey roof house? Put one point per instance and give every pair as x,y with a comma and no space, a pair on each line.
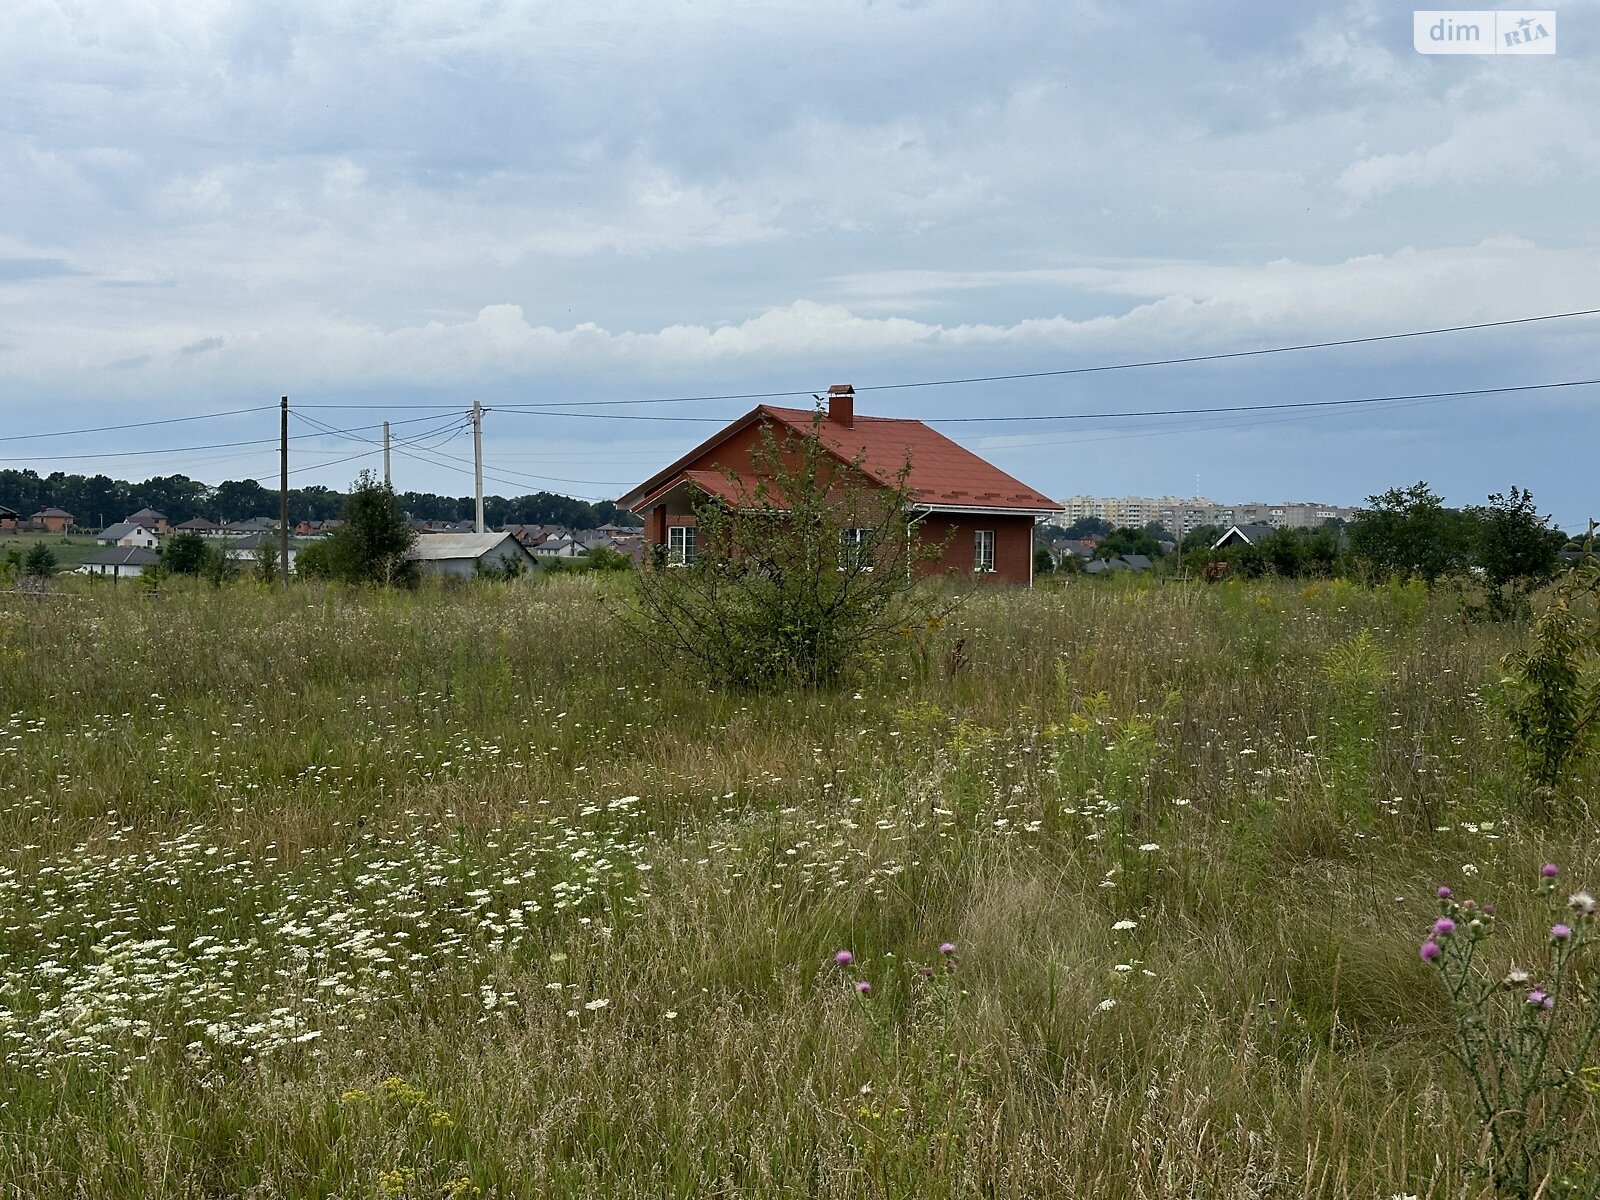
129,533
464,555
120,561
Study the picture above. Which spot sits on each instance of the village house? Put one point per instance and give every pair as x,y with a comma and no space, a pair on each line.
464,555
246,548
121,561
248,526
1245,535
197,525
152,520
982,517
8,519
128,533
51,520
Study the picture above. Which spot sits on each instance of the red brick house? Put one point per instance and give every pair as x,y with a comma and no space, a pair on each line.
52,520
983,517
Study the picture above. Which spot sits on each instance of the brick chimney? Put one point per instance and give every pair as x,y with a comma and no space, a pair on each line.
842,404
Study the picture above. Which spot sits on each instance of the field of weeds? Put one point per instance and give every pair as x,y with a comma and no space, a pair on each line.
465,893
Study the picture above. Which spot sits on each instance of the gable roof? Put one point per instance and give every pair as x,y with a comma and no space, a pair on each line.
114,533
943,474
1250,535
197,524
123,556
7,512
146,515
437,547
52,512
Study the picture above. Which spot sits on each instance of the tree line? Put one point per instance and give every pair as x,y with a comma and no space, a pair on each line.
1405,533
98,500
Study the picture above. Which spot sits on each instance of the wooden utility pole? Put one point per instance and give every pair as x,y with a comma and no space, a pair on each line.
387,481
477,460
283,490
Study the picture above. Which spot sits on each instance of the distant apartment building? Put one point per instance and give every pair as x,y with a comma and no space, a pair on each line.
1179,515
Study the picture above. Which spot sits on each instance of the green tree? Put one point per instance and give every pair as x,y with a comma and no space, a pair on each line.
1084,527
1044,563
1409,532
1516,550
185,554
373,544
40,561
807,575
1129,541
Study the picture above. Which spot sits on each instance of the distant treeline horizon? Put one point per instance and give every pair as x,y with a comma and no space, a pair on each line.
98,500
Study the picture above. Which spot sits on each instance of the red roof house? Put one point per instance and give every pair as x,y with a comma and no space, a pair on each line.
983,517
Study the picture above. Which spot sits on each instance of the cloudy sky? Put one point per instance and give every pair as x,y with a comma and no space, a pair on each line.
403,207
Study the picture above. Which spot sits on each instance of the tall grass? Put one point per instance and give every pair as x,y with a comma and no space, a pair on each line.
265,851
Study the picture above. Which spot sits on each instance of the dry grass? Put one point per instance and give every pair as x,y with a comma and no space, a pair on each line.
349,795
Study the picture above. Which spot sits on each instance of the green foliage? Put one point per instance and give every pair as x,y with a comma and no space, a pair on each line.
807,578
373,543
1044,563
1522,1036
1409,532
186,554
316,560
1129,541
604,558
269,561
1516,550
40,561
1085,527
1551,693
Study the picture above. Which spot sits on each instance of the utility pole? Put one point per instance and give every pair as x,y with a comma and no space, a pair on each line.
283,490
477,459
387,482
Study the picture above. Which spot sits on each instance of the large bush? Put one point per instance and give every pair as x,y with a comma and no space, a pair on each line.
807,575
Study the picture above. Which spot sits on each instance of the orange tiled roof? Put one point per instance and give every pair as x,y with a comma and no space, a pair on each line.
942,472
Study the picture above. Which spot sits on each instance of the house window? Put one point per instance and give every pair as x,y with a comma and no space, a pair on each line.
983,557
680,545
855,548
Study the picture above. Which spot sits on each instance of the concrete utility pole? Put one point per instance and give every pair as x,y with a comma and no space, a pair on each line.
477,459
387,482
283,490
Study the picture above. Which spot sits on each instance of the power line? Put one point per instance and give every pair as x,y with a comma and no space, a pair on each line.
1138,364
233,412
1142,412
1235,408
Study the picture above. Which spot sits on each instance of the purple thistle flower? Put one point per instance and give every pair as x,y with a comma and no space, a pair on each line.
947,948
1559,932
1549,870
1488,910
1429,951
844,958
863,987
1538,997
1443,927
1443,893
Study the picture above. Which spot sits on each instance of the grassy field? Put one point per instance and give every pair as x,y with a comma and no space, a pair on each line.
465,893
70,550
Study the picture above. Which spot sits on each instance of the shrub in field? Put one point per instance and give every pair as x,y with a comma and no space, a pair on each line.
1523,1037
1516,551
1551,694
40,561
372,544
806,576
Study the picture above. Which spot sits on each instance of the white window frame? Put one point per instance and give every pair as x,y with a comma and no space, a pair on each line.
680,545
983,551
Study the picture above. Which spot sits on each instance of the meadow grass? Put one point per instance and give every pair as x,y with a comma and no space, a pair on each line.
466,892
